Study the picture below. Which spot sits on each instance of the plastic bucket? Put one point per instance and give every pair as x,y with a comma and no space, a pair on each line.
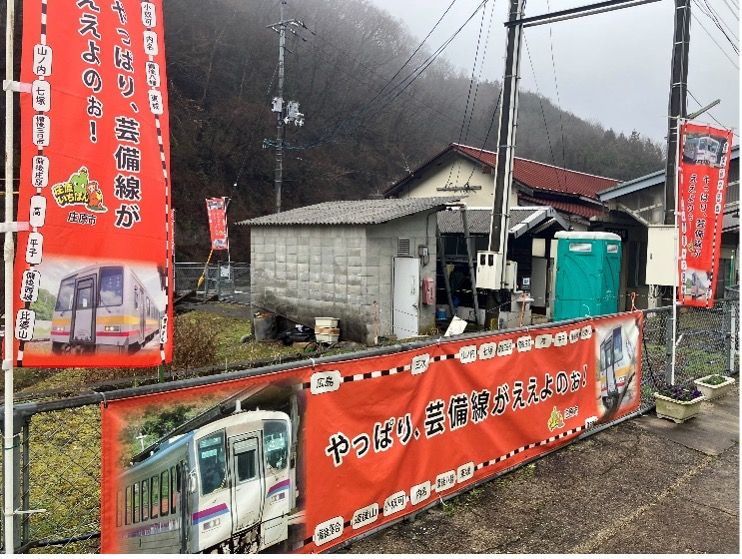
326,329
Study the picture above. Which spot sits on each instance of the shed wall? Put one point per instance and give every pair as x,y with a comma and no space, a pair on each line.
309,271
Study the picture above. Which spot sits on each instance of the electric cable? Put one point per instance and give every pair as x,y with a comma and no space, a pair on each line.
714,40
543,112
556,87
473,84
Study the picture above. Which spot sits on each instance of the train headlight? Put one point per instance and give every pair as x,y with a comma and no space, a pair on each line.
58,328
212,524
112,329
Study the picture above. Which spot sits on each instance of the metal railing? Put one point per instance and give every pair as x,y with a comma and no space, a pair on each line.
59,442
225,281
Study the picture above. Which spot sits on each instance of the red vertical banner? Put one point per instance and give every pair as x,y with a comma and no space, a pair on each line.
703,176
94,273
217,211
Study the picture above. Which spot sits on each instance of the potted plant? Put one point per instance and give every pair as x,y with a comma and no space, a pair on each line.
677,402
714,386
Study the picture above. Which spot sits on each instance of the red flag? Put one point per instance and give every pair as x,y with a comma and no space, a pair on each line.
217,210
702,189
94,275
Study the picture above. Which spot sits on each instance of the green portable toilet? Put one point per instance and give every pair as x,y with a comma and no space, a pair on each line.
588,267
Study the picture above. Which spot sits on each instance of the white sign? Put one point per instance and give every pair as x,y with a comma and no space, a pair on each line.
363,517
37,215
326,381
420,492
445,481
328,530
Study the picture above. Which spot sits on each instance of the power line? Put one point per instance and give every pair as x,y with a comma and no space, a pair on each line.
473,84
437,23
415,74
712,116
734,10
719,20
391,95
716,23
714,40
489,129
543,113
556,87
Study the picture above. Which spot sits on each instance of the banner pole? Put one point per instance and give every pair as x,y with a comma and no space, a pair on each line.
9,474
675,294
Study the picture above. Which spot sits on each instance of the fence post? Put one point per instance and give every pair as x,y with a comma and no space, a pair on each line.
25,489
668,348
726,325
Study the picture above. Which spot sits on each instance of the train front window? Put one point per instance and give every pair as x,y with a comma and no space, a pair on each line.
617,345
246,457
276,444
212,462
111,287
66,294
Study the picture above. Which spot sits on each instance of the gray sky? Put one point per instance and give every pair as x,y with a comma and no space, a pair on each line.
613,68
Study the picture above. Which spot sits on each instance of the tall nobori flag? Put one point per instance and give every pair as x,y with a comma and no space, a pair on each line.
93,276
217,210
702,190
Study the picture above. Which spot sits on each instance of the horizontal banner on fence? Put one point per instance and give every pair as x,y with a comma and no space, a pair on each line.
307,458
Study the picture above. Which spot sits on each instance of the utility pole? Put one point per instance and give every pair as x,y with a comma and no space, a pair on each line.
278,178
285,112
677,103
506,133
493,271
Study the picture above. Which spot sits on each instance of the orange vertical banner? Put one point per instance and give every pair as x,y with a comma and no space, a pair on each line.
703,177
94,273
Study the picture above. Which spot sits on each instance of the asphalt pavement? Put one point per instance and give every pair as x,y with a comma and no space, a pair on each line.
646,485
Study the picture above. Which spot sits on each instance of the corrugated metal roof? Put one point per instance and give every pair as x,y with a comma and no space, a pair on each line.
479,220
351,212
585,209
522,220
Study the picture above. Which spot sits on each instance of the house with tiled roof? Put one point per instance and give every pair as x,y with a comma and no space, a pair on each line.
469,172
544,199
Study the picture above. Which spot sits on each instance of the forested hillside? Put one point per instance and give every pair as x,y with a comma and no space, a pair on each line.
362,129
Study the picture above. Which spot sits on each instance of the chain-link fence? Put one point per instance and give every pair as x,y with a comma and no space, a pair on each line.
223,280
59,450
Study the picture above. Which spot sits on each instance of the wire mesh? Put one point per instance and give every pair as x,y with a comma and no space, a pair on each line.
230,282
60,465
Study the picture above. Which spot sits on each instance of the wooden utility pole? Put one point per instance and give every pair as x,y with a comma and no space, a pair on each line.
677,104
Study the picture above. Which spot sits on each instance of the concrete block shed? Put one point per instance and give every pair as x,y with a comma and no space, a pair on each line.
366,262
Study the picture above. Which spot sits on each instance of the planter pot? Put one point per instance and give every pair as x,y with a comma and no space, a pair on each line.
677,410
714,391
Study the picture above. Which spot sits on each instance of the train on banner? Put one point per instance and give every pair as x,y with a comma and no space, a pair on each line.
307,458
93,276
703,177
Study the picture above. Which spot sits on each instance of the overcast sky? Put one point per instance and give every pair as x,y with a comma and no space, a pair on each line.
613,68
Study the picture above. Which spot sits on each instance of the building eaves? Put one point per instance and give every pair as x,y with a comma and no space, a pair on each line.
354,212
